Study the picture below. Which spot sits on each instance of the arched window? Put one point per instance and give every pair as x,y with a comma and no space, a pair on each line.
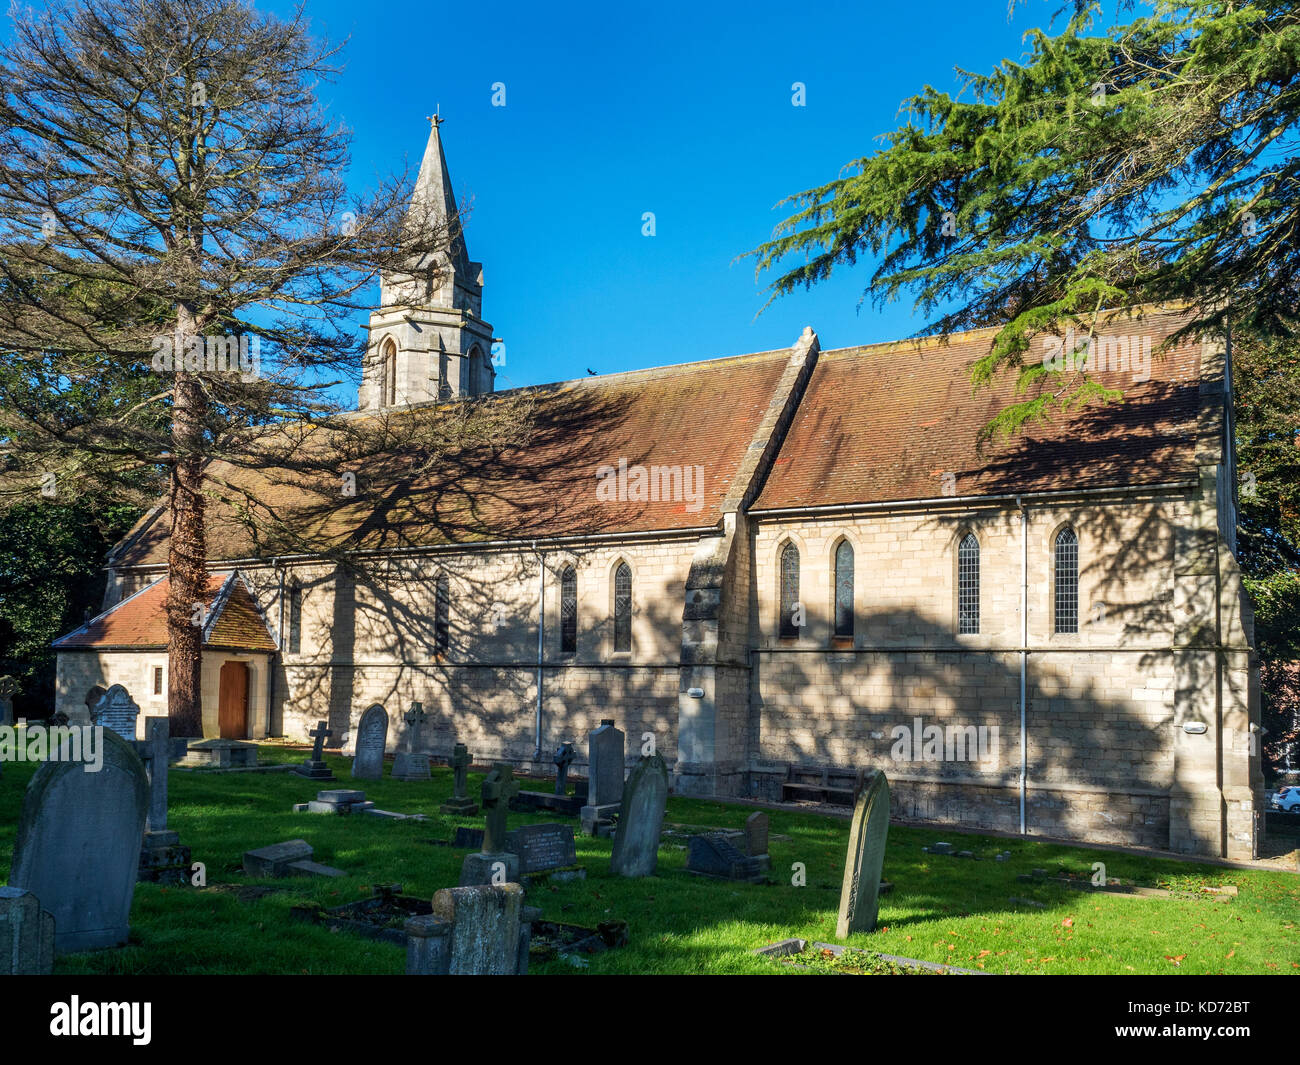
1067,581
623,607
790,607
295,619
844,589
569,610
441,614
388,377
968,585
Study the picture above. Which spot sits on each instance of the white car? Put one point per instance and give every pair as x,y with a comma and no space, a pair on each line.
1287,799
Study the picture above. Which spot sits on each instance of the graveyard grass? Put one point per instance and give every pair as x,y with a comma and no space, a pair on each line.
942,909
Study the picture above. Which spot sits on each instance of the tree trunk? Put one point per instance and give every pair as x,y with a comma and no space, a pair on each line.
187,558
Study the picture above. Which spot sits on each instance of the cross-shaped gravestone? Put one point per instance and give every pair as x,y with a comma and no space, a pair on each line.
563,756
157,733
414,718
460,803
498,788
318,735
460,769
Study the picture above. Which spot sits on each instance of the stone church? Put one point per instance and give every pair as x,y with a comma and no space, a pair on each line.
781,566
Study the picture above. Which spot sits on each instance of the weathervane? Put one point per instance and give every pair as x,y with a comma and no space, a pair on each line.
435,119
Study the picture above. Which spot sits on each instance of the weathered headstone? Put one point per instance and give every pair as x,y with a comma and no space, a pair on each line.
563,759
460,802
162,858
118,711
291,858
412,763
337,801
606,765
8,689
641,819
868,832
78,846
473,931
222,754
315,768
756,834
494,864
26,934
715,855
372,737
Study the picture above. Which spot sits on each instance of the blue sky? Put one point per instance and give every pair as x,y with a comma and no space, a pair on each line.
613,110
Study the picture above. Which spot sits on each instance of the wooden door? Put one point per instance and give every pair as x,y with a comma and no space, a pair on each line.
232,704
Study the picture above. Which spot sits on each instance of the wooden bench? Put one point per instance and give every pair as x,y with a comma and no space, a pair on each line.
821,784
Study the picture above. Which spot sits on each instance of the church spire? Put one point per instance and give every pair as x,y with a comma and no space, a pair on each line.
433,199
428,339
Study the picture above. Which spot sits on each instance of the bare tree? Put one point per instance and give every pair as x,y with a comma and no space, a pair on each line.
177,239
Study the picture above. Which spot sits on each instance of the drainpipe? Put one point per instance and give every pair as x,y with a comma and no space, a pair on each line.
541,643
1024,652
271,659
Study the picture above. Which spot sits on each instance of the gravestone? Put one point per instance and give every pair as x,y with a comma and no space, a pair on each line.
274,861
460,802
8,689
412,763
118,711
222,754
714,855
337,801
868,832
641,819
78,846
315,768
26,934
473,931
494,864
563,759
606,765
372,737
162,858
756,834
542,848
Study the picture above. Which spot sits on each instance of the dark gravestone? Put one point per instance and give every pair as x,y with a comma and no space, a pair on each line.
716,856
78,847
460,802
494,864
372,737
563,759
641,819
315,768
868,832
8,689
606,765
543,847
756,834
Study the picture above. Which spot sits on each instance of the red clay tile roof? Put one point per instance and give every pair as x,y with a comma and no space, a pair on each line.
699,414
139,622
886,422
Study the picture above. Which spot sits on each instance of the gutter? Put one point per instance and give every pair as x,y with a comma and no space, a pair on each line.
541,643
953,501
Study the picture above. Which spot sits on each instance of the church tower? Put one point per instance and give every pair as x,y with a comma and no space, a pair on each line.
428,340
